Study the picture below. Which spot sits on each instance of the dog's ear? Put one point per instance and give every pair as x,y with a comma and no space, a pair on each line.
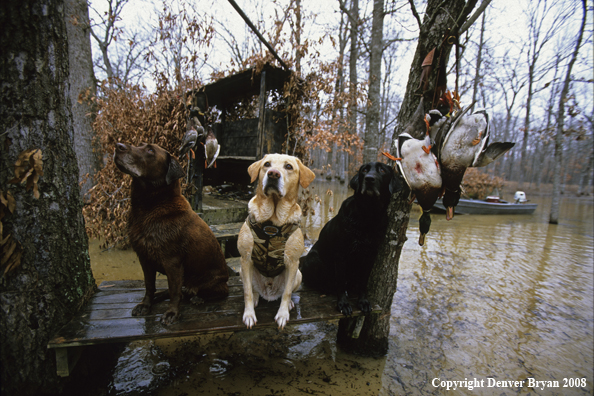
254,169
174,172
306,175
395,183
354,183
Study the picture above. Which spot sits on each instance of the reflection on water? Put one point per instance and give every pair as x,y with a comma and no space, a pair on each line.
501,297
491,298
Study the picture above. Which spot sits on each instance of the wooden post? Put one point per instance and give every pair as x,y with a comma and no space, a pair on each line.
262,118
198,171
197,177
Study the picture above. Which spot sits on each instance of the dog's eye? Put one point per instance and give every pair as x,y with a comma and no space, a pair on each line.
267,165
150,150
382,170
288,167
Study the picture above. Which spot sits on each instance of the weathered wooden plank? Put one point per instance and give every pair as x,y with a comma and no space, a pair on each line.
128,285
109,318
226,231
120,300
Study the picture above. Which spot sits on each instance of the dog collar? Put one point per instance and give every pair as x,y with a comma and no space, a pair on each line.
268,253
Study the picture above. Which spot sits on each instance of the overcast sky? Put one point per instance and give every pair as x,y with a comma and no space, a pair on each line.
506,30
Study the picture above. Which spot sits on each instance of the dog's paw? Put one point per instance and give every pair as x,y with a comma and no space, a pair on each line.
169,317
196,300
249,319
364,305
281,318
141,310
344,306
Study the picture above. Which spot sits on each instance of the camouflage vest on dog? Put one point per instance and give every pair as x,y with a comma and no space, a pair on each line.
268,253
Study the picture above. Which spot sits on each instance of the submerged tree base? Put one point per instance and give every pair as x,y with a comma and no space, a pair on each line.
366,344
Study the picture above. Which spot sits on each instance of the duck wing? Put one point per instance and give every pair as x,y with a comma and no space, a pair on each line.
402,138
214,157
491,153
188,142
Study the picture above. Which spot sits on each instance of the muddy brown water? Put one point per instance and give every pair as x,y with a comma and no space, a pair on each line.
488,302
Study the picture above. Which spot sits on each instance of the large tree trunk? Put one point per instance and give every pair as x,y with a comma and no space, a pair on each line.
372,120
82,87
53,277
373,339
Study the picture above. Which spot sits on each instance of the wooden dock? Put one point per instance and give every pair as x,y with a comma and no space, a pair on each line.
107,318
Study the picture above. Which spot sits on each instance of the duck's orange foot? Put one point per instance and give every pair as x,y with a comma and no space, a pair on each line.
478,139
427,150
390,156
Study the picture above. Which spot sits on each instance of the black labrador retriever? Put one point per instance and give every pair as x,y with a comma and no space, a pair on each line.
341,260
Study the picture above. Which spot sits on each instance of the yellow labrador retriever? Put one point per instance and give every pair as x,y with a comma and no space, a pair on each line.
270,241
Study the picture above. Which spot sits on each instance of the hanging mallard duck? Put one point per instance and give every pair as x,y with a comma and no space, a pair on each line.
418,164
466,144
420,169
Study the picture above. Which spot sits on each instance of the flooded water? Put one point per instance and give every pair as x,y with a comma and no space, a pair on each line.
488,302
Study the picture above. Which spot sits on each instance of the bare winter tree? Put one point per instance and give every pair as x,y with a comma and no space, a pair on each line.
510,84
82,88
121,52
545,19
554,216
372,118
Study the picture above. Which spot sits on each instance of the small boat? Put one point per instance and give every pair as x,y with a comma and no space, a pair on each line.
491,205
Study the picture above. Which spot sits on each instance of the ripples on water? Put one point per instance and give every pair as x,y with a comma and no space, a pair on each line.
500,297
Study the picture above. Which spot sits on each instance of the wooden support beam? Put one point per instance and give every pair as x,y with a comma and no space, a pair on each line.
262,118
66,359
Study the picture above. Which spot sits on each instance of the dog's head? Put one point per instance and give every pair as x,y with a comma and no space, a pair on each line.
280,175
376,180
148,163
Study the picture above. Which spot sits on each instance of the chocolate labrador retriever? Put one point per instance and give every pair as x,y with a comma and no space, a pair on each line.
340,261
166,234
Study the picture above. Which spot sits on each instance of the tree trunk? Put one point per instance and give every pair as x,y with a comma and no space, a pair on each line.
382,282
479,59
554,215
586,171
298,51
53,278
353,80
372,120
82,87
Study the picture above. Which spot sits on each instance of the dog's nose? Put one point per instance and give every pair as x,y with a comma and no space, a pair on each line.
370,177
121,147
274,174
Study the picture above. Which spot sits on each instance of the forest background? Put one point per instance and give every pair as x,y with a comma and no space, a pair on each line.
147,55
